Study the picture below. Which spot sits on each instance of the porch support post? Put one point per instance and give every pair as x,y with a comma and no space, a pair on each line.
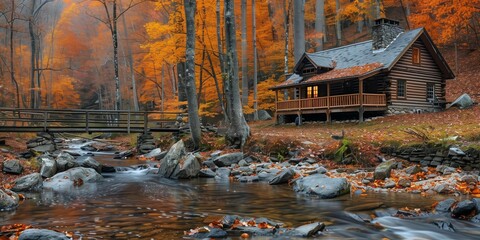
360,95
276,106
329,115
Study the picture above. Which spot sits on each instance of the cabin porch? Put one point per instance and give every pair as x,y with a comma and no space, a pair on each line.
333,98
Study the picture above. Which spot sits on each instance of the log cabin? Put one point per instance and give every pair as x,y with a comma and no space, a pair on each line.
396,72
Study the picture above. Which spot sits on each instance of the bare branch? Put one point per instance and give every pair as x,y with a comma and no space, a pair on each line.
131,5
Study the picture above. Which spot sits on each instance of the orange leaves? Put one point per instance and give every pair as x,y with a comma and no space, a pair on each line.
345,72
250,223
13,231
78,182
418,176
216,224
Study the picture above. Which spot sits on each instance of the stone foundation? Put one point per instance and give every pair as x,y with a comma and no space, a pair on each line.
435,156
402,110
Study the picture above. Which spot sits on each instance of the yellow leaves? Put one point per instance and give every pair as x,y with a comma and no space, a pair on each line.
64,93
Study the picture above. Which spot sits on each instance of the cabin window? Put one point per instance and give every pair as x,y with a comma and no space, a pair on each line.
401,88
416,55
308,70
312,92
430,90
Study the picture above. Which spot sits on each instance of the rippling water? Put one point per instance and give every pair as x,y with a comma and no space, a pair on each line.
137,205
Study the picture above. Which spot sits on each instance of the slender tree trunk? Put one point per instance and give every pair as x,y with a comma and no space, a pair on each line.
12,69
200,87
254,43
244,54
219,38
286,13
114,19
238,130
33,94
162,106
299,29
193,119
360,19
173,81
130,63
319,23
38,64
217,87
338,21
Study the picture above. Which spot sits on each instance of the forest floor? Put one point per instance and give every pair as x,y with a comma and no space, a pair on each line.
368,137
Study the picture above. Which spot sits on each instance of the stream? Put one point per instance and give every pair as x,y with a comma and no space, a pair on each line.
132,204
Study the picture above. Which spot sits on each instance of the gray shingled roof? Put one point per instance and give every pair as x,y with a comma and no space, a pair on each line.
321,61
359,54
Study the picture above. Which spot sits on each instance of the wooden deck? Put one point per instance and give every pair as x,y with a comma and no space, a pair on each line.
322,104
79,120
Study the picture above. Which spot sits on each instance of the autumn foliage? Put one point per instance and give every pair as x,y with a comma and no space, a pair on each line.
74,48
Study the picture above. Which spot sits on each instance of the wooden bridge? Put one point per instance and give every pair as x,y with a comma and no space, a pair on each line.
89,121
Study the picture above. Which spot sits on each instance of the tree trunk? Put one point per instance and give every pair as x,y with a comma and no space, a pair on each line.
244,54
217,87
12,72
33,95
130,63
238,130
114,19
319,23
193,119
338,21
219,38
254,43
286,25
299,29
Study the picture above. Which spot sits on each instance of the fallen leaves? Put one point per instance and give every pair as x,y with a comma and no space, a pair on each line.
12,231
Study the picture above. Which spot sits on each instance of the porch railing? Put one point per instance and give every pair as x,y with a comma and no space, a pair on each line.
339,101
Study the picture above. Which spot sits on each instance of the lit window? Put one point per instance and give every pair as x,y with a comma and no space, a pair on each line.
312,92
430,90
401,88
416,56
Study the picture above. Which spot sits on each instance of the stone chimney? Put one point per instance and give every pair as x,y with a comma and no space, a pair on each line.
384,31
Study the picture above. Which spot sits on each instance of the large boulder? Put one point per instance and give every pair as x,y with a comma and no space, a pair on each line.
169,163
307,230
12,166
477,204
383,170
8,200
263,115
88,162
72,178
463,208
322,186
462,102
283,177
44,148
29,182
227,160
445,205
188,167
154,153
222,174
49,166
41,234
64,161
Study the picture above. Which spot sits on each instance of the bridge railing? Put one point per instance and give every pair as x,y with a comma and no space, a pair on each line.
88,120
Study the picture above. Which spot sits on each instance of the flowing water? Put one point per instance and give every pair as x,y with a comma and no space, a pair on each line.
133,204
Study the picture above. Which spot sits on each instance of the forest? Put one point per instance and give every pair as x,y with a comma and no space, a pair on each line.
130,54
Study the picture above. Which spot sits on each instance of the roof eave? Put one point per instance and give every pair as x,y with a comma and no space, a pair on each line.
361,76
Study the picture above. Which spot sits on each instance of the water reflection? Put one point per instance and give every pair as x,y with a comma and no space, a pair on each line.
139,205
